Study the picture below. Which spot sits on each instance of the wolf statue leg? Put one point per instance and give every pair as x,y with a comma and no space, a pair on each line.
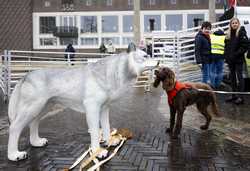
93,110
26,113
105,123
35,140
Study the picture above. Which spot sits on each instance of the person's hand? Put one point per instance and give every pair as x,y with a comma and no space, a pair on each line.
199,65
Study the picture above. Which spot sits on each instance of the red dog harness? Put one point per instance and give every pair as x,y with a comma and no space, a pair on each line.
172,93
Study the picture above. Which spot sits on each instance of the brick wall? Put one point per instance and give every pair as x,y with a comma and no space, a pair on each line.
15,24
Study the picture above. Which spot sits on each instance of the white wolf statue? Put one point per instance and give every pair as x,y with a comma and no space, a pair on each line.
88,89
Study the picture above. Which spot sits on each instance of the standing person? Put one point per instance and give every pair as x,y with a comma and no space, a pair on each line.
71,49
236,44
110,47
142,45
131,47
102,48
203,50
217,56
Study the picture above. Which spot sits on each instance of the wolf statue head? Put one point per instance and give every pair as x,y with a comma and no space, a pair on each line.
138,62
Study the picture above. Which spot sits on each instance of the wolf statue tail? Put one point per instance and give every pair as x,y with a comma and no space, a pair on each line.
13,102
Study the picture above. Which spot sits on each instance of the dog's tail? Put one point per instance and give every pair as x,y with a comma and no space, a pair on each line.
13,102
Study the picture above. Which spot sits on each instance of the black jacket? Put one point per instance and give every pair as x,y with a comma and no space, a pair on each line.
70,48
202,48
248,52
235,47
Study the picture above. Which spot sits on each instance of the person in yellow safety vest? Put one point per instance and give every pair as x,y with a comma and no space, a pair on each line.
217,55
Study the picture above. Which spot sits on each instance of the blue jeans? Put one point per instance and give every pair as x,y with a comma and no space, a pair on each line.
216,73
206,73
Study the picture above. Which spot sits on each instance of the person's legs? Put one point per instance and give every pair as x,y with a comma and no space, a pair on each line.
218,72
241,86
213,74
205,73
233,82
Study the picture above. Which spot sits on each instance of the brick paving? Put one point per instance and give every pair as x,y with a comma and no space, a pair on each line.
146,115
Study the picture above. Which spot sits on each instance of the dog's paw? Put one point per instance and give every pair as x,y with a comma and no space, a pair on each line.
19,155
203,127
168,130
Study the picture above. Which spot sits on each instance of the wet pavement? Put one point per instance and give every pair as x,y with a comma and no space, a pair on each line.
225,146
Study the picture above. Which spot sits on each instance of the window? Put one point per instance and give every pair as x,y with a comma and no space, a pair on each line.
47,24
68,21
195,1
88,2
194,20
67,5
127,40
127,23
156,22
48,41
152,2
47,3
174,22
88,24
109,2
173,1
130,2
109,24
90,41
68,40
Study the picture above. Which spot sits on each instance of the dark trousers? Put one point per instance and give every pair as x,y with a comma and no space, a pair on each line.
236,76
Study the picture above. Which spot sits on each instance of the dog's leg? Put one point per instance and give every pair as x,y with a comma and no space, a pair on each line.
105,124
172,120
178,125
35,140
92,116
26,113
203,110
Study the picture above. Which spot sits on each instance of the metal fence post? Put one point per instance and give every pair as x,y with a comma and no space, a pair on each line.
68,58
177,54
9,72
5,72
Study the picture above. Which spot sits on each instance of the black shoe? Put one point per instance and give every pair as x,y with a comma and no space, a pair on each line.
230,99
238,101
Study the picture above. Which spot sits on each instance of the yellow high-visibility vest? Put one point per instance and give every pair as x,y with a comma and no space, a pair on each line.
217,44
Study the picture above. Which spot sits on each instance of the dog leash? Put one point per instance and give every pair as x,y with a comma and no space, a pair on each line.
226,92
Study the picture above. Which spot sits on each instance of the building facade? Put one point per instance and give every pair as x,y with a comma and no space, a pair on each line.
52,24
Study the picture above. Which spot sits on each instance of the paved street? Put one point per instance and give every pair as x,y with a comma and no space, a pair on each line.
224,147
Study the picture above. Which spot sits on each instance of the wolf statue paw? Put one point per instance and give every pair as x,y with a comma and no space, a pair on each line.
39,142
20,155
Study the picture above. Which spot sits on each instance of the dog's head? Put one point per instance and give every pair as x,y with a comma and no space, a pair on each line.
166,76
138,62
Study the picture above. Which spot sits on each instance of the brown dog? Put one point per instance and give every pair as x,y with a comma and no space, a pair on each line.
181,95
